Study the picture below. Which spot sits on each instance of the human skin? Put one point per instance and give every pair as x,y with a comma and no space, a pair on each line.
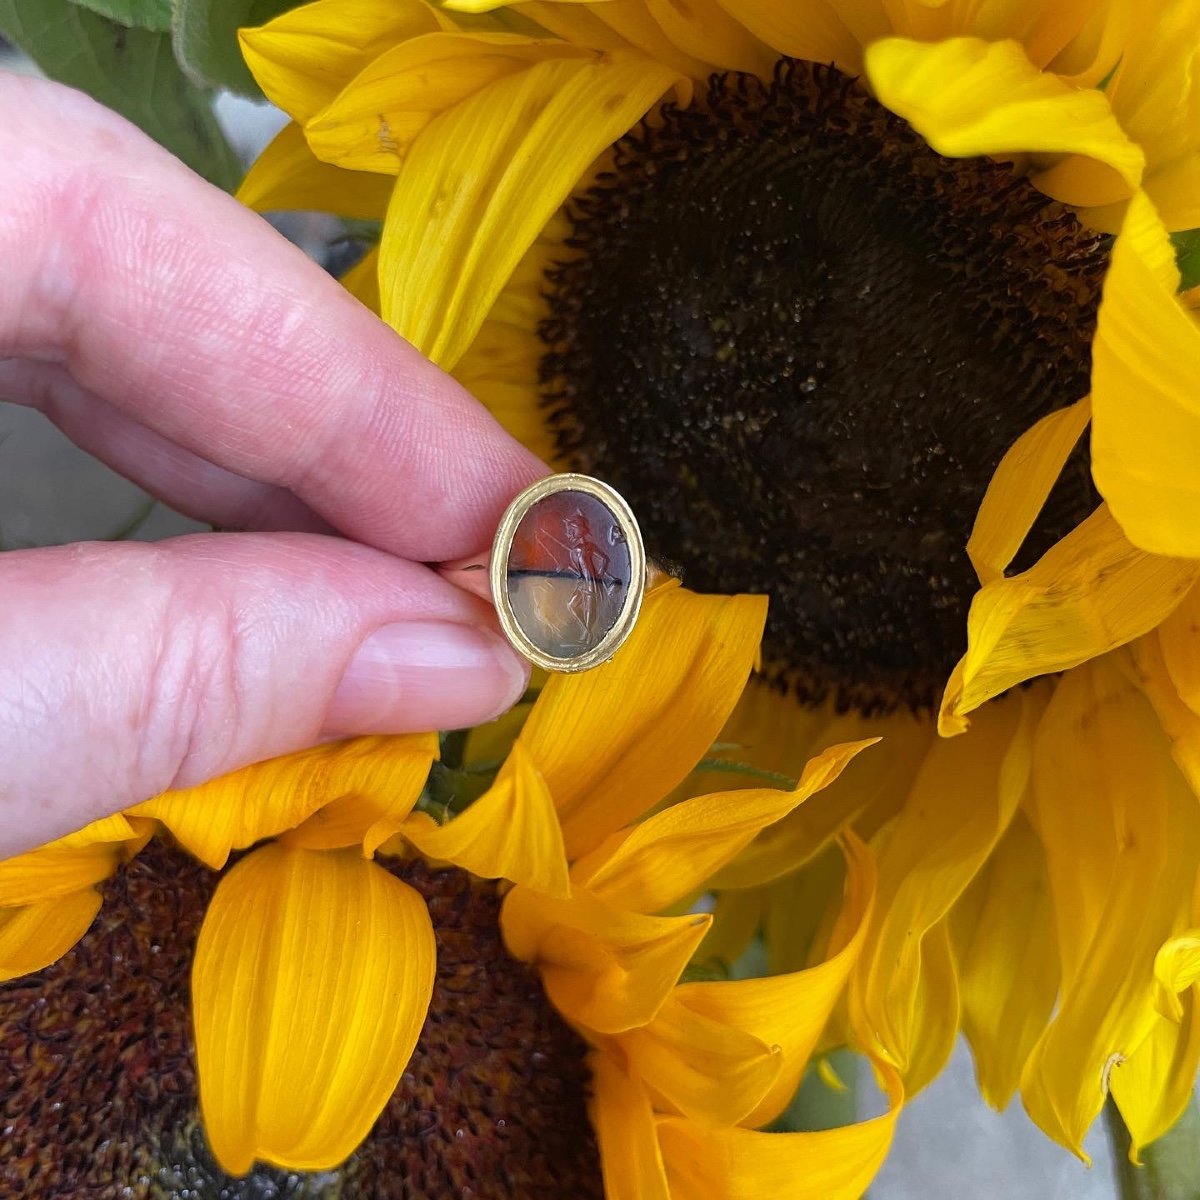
176,336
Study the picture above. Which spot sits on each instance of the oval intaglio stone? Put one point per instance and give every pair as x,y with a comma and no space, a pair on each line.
568,573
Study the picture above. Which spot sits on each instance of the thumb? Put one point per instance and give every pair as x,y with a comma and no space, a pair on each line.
127,669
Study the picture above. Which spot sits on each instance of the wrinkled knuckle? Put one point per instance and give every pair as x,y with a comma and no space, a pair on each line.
194,696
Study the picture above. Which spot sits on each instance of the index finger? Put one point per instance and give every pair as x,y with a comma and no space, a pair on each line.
191,315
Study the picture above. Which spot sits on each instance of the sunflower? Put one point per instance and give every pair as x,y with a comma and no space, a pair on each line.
830,291
373,1015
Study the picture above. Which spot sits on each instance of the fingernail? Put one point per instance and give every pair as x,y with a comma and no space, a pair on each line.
419,675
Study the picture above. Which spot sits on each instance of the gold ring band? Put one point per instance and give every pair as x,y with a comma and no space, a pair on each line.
567,572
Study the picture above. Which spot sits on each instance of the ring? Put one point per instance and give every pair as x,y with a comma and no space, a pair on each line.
567,572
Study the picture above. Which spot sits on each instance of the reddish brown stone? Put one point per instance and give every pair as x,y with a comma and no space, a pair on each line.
568,573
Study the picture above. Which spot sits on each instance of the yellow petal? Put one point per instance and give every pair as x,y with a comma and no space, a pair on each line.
373,775
705,1163
961,803
311,982
1121,837
510,832
737,915
1176,968
968,97
1019,488
117,828
362,280
936,1011
876,781
1154,1084
613,742
798,921
287,175
789,1011
35,935
482,179
602,968
1007,958
56,870
673,853
304,57
704,1068
374,809
1146,416
1154,91
704,30
373,123
501,369
626,1133
1087,594
1178,719
815,31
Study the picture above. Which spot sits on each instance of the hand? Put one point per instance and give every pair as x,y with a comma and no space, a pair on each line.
173,334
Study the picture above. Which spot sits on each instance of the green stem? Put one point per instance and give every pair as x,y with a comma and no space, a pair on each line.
1170,1167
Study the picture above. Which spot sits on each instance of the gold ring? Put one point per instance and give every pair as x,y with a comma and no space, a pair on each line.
567,572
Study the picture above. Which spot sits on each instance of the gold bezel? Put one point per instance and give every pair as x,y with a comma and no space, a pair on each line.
502,548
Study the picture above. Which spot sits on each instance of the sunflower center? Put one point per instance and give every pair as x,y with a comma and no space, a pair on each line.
799,342
100,1087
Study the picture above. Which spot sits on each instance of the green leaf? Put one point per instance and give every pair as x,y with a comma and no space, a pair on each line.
132,71
142,14
206,39
1187,255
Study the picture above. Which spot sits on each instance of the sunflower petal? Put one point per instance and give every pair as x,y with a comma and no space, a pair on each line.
33,936
625,1130
73,862
1179,720
602,968
1003,934
875,781
737,915
380,809
961,803
302,1031
511,832
372,124
304,57
674,852
287,175
613,742
969,97
1019,488
706,1163
1087,594
814,31
707,32
374,775
789,1011
1179,639
1146,415
1176,968
1154,1085
483,178
937,1008
1121,836
705,1068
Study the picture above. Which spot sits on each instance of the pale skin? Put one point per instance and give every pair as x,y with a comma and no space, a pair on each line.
176,336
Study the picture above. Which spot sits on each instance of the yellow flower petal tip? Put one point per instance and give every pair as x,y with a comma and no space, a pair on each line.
967,96
302,1031
511,832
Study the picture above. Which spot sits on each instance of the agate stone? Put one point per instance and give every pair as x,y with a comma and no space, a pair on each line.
568,575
